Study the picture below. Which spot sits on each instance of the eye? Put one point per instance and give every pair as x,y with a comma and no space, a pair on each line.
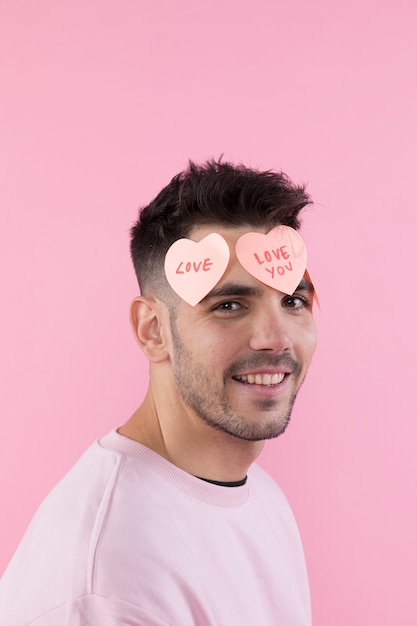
228,308
295,302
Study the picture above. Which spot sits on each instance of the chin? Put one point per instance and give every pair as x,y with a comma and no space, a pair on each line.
254,431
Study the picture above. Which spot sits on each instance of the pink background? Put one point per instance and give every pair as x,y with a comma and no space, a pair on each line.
102,102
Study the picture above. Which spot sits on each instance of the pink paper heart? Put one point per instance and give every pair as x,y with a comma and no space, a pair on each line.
194,268
278,259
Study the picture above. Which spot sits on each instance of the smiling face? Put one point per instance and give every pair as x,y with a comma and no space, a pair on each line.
240,355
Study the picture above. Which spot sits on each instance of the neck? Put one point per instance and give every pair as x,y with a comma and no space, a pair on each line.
175,433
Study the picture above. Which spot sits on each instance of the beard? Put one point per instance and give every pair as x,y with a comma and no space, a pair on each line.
194,384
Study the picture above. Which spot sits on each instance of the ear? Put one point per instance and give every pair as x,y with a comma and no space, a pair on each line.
150,327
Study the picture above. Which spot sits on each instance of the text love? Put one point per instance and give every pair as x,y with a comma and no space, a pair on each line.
194,266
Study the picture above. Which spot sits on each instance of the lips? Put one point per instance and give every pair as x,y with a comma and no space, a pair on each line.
264,372
267,380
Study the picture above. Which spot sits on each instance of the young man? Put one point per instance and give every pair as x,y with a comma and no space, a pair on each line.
167,521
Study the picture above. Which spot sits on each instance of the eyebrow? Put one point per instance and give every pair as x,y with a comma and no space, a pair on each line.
230,289
233,289
305,285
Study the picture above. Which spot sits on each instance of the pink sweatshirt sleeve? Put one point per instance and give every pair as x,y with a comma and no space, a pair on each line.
95,610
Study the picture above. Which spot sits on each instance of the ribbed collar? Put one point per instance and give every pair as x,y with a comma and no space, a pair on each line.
215,495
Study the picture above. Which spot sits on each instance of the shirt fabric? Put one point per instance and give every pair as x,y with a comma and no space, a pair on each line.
128,539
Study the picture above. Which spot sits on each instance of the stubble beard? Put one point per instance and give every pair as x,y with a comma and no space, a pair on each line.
194,386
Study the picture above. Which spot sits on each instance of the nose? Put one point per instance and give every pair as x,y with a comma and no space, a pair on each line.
270,330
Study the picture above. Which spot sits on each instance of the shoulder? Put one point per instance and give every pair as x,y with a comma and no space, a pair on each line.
259,479
268,496
62,537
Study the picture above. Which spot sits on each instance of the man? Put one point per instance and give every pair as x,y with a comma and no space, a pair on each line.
167,520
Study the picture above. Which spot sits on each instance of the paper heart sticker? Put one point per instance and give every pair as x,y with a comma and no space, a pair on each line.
278,259
310,280
193,268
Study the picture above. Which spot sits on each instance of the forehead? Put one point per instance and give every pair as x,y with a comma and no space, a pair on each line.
231,234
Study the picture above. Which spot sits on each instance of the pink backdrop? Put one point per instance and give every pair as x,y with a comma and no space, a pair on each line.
102,102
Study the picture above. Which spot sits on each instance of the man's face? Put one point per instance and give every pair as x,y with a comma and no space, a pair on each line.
241,354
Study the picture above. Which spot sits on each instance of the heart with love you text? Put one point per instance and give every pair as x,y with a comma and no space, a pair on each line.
278,259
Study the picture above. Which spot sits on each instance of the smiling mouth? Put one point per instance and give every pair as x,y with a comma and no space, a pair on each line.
268,380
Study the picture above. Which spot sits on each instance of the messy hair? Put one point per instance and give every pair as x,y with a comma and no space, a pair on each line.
214,192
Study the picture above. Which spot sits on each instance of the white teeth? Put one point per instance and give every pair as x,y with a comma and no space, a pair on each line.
262,379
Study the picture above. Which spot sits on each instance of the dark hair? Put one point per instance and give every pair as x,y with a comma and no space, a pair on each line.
214,192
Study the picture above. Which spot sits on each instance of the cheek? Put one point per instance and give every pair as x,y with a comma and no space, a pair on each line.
206,347
311,342
307,341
